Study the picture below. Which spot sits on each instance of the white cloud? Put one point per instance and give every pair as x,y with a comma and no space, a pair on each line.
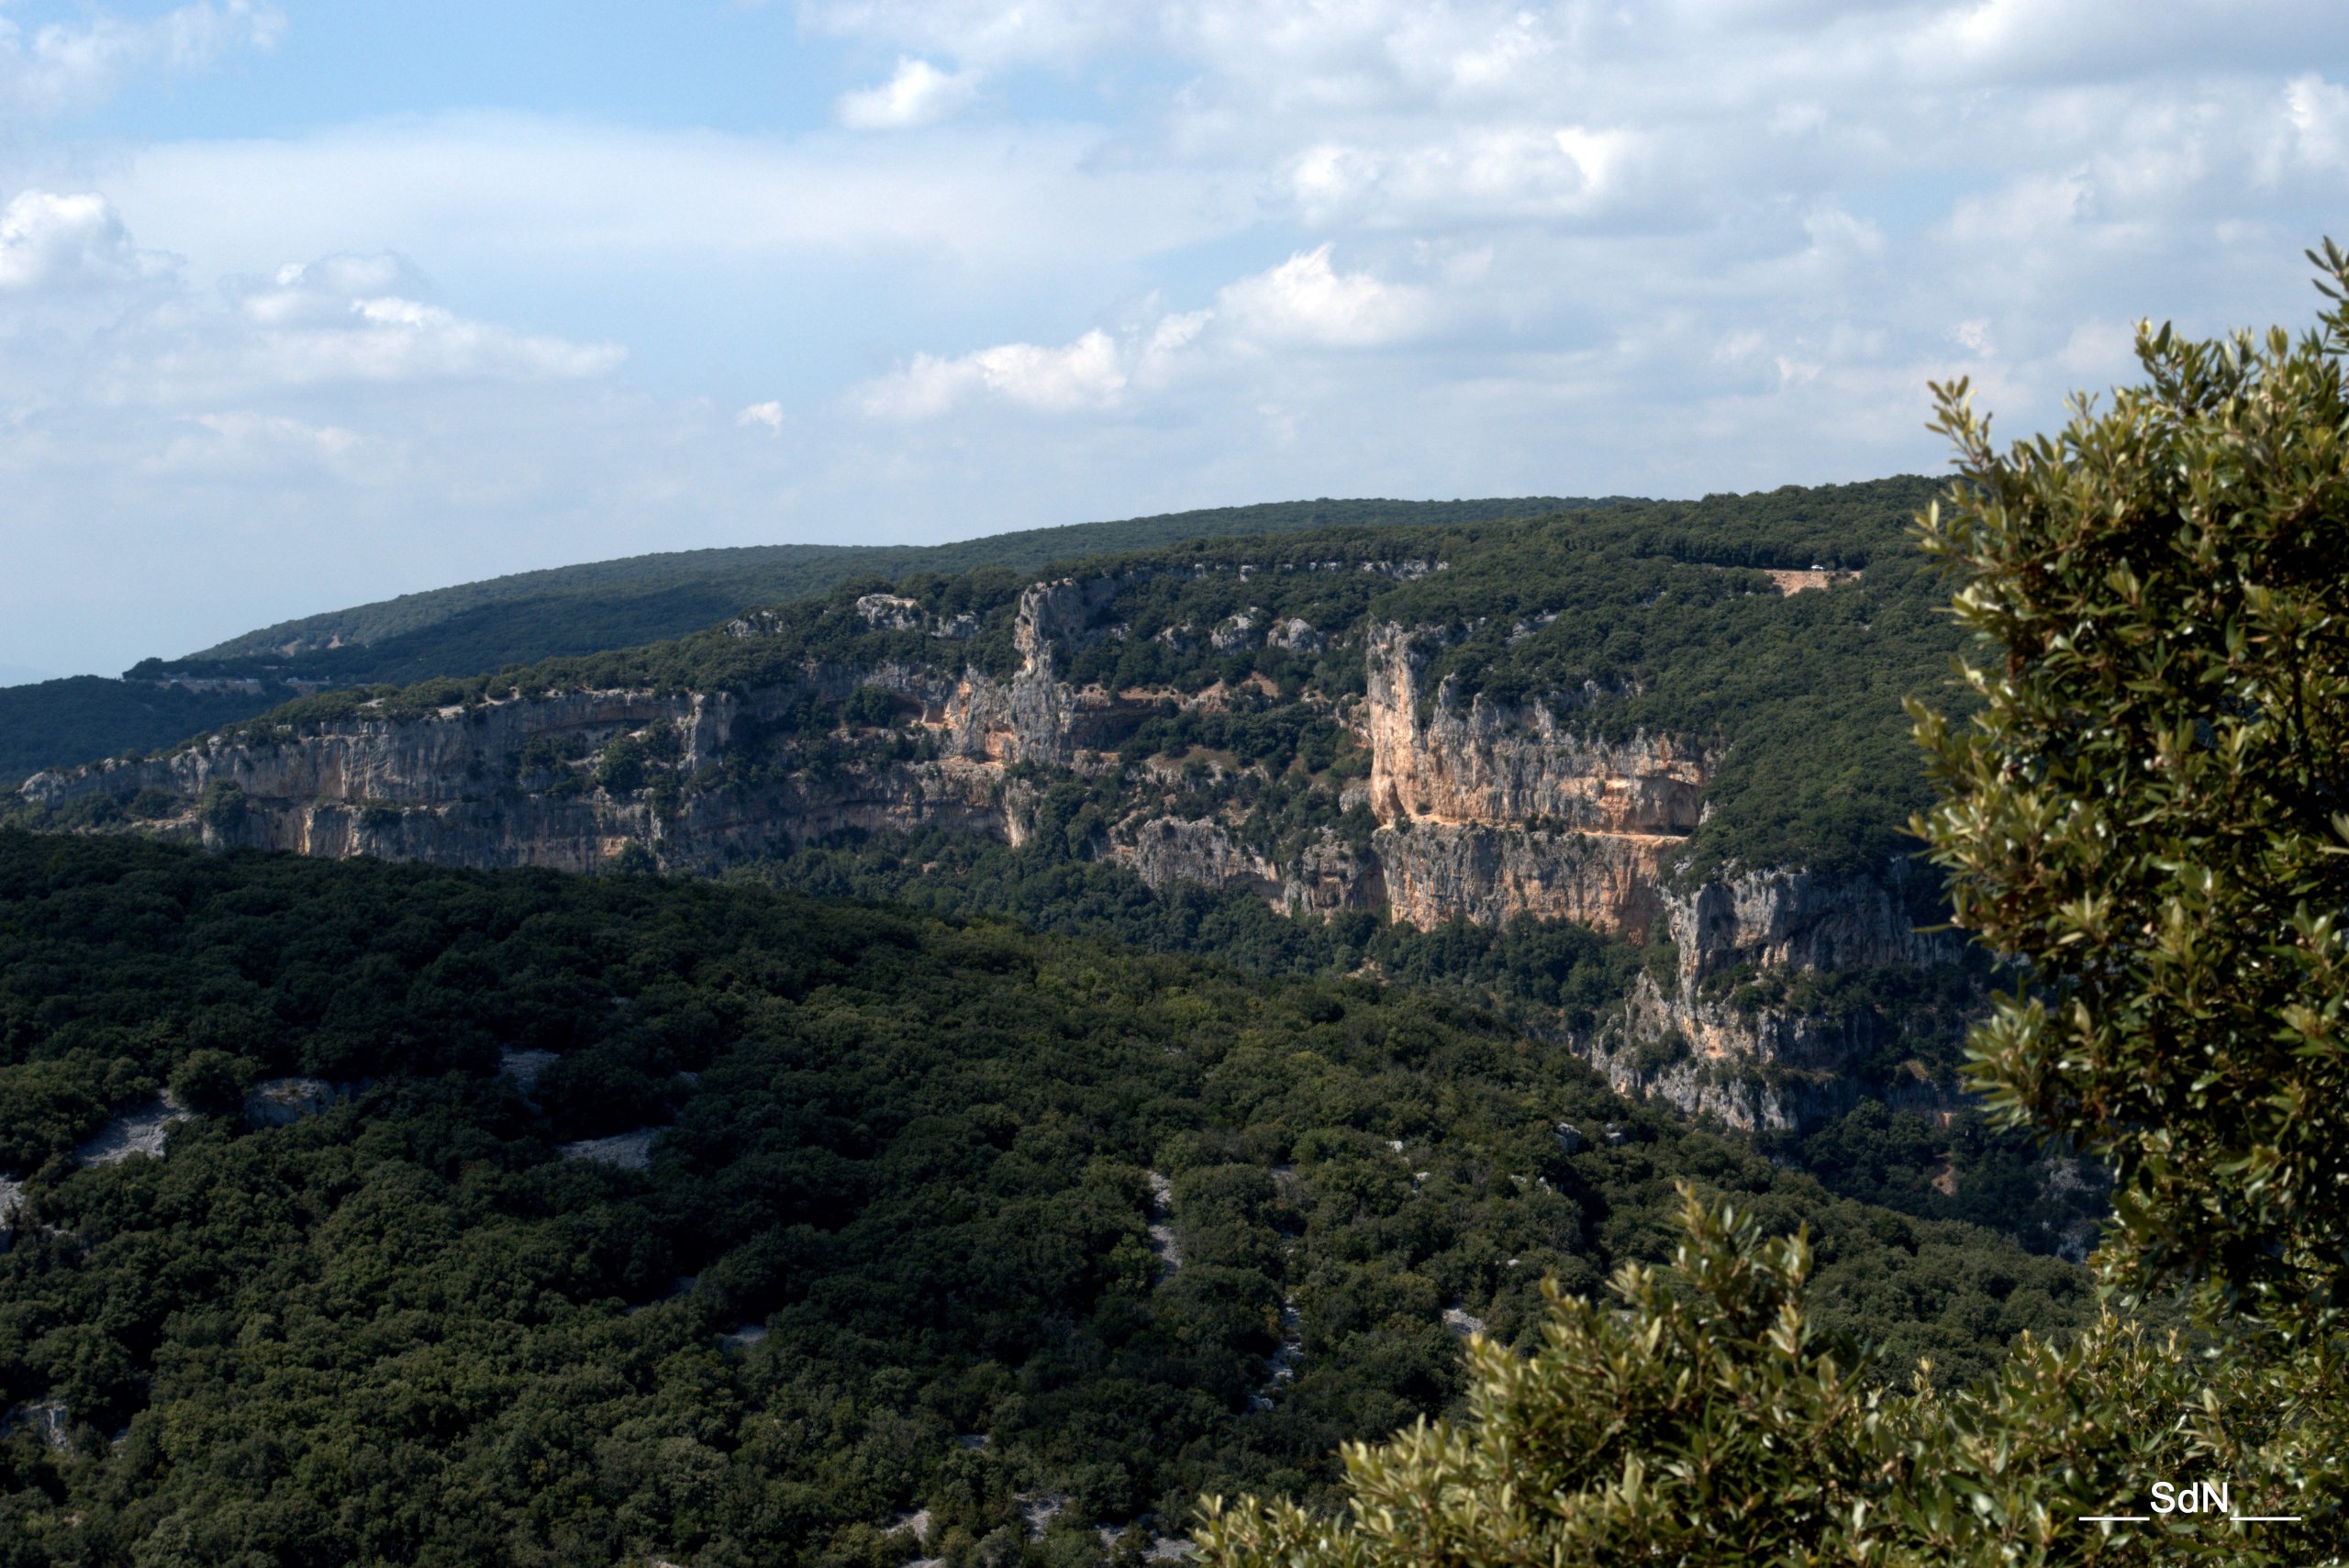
332,439
993,32
49,240
1511,172
768,416
1302,304
1086,374
918,94
242,444
389,339
67,65
561,196
324,292
1307,300
330,322
2316,120
1175,332
117,325
2098,350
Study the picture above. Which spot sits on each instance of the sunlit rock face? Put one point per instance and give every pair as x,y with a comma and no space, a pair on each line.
1434,872
1488,813
1499,767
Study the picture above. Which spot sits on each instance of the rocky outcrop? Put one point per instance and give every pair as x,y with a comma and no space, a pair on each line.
454,786
1489,764
1763,1066
1766,1070
1434,872
1492,812
1041,719
1327,875
1798,919
282,1102
1163,851
1296,635
458,754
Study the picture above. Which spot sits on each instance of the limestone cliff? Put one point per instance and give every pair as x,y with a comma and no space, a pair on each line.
1436,871
1470,808
1697,1043
1796,920
1491,766
1490,813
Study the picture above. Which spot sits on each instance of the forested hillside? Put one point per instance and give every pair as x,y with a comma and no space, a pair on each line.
611,604
1638,619
82,718
477,627
887,1214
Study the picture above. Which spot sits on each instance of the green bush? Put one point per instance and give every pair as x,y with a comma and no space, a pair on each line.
2149,805
1706,1417
212,1081
221,808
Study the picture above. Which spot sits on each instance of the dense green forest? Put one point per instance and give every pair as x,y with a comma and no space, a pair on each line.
1544,977
923,1154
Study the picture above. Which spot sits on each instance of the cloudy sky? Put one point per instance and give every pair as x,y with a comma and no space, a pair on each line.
305,305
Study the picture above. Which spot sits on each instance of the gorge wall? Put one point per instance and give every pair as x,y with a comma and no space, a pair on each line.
1470,808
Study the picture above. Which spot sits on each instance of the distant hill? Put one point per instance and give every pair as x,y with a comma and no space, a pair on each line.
588,609
83,718
619,604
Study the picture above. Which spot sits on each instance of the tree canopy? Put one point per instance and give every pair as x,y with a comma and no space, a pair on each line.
882,1234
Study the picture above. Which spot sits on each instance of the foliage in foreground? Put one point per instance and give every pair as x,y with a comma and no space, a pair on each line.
2150,805
1708,1420
2149,811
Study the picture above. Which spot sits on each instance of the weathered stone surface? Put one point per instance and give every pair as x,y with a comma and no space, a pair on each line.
1296,636
1434,870
1165,851
889,611
136,1129
1327,875
1493,766
1796,920
1237,632
622,1150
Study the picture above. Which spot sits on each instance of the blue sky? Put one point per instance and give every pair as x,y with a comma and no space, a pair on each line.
306,304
